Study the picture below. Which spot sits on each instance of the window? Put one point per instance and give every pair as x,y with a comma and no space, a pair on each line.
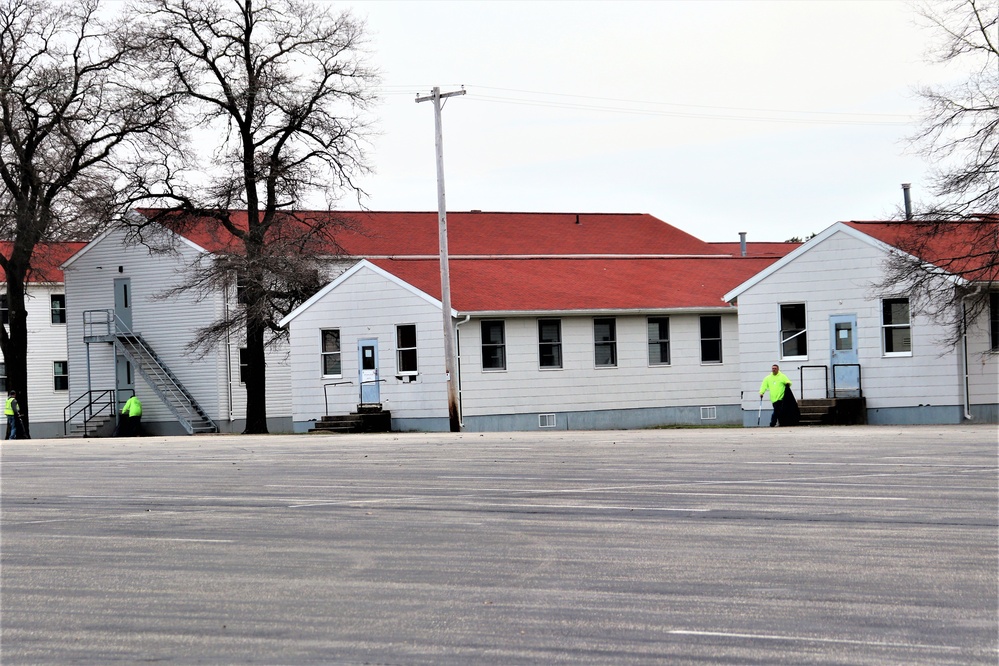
60,375
58,308
493,345
550,343
331,352
711,342
3,378
241,291
244,363
793,338
895,326
405,349
604,343
658,340
994,319
4,311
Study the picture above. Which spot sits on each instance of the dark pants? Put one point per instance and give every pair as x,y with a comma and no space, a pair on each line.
778,414
12,427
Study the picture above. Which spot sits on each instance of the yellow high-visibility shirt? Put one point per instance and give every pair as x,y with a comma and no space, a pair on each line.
775,384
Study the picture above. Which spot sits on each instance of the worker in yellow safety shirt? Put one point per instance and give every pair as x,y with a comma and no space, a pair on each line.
131,416
776,382
13,413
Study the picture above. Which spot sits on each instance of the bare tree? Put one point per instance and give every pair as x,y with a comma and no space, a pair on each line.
948,261
72,127
278,89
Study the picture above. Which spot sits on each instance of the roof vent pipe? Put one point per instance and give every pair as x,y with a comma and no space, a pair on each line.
908,201
742,243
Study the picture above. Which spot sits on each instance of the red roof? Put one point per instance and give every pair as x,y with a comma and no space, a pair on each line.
756,249
558,284
390,234
45,260
967,249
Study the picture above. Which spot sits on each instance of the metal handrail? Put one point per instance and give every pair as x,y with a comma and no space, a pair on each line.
825,369
166,386
360,393
801,379
88,410
860,383
326,393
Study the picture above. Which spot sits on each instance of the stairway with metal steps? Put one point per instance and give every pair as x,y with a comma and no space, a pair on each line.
163,382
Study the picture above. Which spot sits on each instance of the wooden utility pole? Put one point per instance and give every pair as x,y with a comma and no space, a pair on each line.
450,356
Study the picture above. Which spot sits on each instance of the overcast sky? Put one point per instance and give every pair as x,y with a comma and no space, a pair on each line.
774,118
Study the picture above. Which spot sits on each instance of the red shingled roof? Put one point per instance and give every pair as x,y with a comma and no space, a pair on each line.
45,261
756,248
557,284
967,249
386,234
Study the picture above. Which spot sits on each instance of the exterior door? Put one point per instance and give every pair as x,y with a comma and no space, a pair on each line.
367,351
123,302
843,356
124,380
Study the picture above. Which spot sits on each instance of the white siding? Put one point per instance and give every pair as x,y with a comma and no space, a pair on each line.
46,345
368,306
581,386
836,277
169,325
983,364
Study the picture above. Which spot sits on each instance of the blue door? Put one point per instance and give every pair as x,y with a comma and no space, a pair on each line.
123,303
843,356
367,351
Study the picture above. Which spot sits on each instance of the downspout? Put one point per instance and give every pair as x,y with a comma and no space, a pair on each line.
964,361
457,359
228,356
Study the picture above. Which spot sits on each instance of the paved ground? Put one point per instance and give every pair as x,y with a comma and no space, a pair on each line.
793,546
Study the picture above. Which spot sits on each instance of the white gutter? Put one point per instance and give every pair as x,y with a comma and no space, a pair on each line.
964,361
461,421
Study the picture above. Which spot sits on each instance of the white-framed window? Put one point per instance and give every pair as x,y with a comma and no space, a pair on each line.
3,378
895,327
793,331
58,308
493,344
243,364
658,340
405,349
330,352
711,339
60,375
994,321
605,342
550,343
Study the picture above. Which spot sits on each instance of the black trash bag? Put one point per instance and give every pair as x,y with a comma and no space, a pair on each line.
791,415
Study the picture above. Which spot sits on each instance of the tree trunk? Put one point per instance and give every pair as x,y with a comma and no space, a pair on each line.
256,379
15,342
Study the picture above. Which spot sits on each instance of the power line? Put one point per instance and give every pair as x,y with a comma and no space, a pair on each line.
613,105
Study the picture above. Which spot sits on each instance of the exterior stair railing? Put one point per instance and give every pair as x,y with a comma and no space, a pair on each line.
91,406
106,326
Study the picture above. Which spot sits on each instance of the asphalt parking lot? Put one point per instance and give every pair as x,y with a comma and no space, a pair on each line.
856,545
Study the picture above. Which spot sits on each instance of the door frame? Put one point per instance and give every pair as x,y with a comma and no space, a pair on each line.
368,378
846,377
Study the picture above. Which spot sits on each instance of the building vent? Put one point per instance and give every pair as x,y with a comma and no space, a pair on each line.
709,413
546,420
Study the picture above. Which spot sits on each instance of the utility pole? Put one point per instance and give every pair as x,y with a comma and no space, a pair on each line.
450,356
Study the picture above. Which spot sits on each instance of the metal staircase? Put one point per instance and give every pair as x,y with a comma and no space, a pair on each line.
104,326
